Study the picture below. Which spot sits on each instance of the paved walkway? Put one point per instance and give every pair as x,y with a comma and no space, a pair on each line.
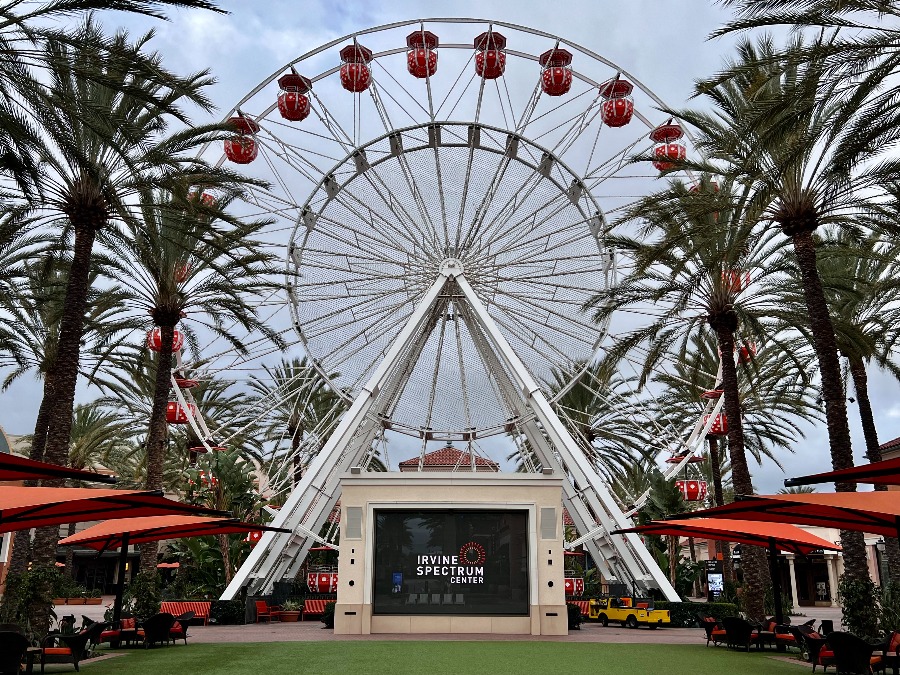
313,631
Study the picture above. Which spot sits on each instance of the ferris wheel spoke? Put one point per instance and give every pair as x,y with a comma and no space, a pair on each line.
406,170
436,371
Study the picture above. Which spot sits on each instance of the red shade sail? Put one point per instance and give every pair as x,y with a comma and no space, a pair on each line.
109,534
872,512
13,467
22,508
878,473
784,537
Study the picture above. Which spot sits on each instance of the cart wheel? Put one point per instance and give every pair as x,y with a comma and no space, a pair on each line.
604,620
653,626
631,621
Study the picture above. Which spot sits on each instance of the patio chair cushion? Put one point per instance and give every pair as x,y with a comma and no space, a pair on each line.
127,624
825,654
106,635
894,642
176,629
57,651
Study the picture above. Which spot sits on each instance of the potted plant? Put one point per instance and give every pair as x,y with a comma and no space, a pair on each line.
291,610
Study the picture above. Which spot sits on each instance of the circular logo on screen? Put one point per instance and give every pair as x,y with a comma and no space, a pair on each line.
472,553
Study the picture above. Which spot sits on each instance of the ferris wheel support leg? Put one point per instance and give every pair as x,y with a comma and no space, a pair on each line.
631,551
269,555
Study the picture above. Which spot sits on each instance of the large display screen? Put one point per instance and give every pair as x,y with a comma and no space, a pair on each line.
451,562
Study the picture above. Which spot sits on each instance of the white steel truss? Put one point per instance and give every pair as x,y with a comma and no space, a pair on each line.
623,558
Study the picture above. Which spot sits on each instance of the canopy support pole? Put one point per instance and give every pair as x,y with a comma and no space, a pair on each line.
120,584
774,571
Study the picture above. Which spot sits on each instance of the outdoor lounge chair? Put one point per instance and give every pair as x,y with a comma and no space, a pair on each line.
739,633
71,648
156,629
817,651
266,611
714,631
12,650
179,628
852,654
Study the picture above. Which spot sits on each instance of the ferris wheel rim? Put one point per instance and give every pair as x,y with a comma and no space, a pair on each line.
449,20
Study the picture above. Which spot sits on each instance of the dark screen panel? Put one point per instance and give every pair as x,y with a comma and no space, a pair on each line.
451,562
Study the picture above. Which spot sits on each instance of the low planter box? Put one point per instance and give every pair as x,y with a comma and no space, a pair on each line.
93,601
59,601
75,601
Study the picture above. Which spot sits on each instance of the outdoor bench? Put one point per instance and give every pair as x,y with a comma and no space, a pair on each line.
200,608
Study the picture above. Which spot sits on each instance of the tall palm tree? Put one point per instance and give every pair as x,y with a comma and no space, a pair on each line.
860,277
775,396
23,27
30,334
781,126
684,245
95,435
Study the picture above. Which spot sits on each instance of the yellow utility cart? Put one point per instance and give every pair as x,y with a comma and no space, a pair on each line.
630,612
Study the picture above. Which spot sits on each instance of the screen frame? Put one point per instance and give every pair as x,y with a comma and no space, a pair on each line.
530,529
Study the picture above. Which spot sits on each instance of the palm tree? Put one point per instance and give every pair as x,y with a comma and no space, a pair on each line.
95,435
23,28
224,480
775,397
302,406
685,245
781,126
860,280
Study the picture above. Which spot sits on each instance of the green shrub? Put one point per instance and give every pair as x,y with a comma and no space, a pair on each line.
328,615
684,614
574,612
143,596
861,606
227,612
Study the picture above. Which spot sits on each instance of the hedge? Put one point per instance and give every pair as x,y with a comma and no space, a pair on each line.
227,612
684,614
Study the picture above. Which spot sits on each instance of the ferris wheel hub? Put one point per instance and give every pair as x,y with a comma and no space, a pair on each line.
452,267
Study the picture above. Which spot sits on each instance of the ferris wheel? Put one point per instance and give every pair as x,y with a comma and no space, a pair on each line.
442,190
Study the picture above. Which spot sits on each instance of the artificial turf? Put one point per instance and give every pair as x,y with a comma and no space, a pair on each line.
441,658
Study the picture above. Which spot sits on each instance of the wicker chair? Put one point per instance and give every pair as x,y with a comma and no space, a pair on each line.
12,650
714,631
179,628
157,629
71,648
853,655
739,633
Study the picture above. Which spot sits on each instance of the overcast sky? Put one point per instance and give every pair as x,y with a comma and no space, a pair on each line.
663,43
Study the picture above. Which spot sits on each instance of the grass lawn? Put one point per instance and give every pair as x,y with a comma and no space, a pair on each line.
441,658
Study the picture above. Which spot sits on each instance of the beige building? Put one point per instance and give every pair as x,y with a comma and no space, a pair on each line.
451,553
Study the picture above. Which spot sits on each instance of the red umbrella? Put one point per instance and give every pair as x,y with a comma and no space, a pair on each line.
13,467
878,473
123,533
873,512
22,508
774,536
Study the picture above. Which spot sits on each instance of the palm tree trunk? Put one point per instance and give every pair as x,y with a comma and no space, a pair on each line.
753,558
825,346
64,376
673,557
873,453
723,548
70,552
224,546
157,436
21,554
693,552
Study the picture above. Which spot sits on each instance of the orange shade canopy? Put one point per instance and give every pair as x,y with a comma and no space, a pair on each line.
877,473
13,467
109,534
785,537
22,508
872,512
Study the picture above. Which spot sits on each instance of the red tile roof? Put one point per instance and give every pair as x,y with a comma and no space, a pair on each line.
451,458
890,445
